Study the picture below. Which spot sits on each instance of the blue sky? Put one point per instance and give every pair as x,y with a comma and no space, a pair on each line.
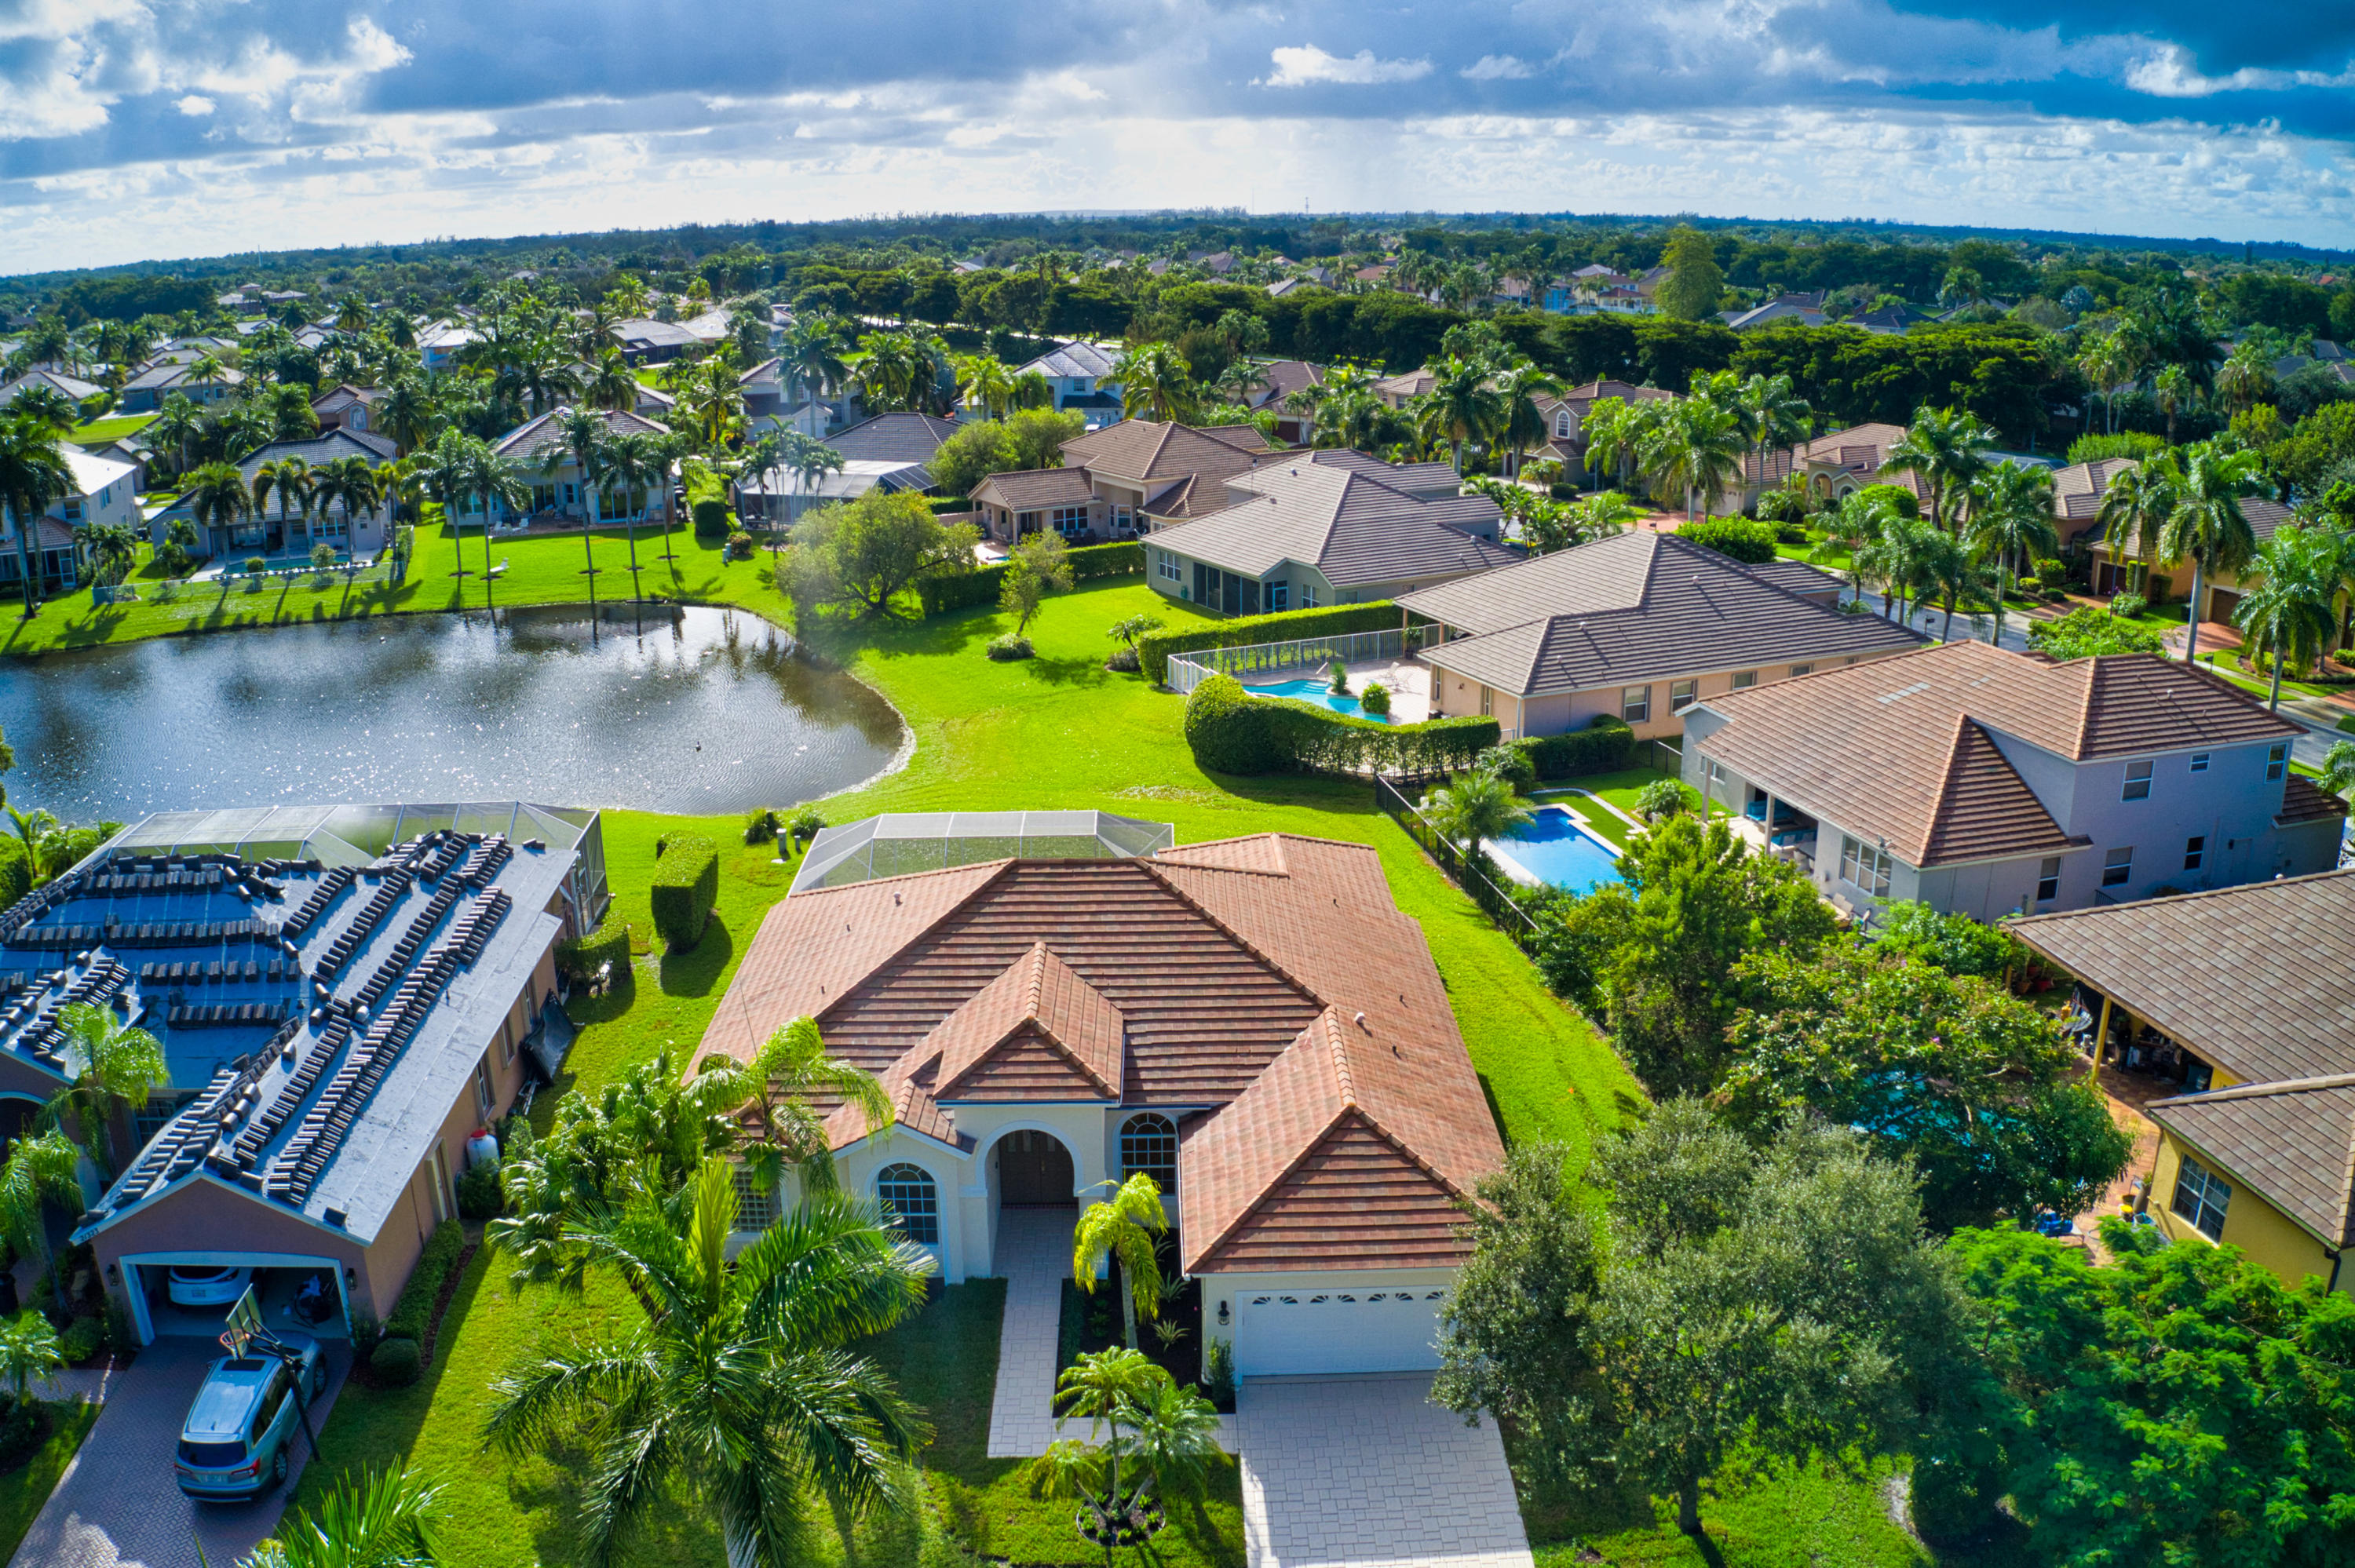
132,129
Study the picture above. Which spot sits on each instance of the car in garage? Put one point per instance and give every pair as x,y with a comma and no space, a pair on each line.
238,1438
206,1284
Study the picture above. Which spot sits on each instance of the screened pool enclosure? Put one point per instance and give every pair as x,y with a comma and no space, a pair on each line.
899,843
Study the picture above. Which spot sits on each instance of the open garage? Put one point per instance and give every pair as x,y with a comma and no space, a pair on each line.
176,1295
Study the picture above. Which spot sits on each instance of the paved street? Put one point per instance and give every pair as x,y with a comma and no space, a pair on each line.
1365,1472
117,1505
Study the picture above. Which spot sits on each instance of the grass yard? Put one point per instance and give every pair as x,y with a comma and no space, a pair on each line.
1789,1517
24,1490
97,432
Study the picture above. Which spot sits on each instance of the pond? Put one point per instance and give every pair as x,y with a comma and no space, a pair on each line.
711,711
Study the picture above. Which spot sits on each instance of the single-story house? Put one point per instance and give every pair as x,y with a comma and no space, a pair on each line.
72,386
145,392
782,497
344,995
537,447
105,490
1132,478
1891,321
1397,391
650,341
1045,1027
903,438
2077,492
2246,997
1991,783
1640,627
294,530
1296,532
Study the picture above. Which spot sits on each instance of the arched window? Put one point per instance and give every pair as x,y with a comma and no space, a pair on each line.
912,1203
1148,1143
1561,424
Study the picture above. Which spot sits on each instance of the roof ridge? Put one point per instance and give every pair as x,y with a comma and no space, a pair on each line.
1158,871
2259,1091
2238,888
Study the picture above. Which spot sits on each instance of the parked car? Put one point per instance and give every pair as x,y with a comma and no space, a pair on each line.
238,1438
203,1284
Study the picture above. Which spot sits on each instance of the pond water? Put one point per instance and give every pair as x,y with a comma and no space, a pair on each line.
712,712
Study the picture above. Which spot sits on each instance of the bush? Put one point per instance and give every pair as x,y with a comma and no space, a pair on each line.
323,555
1375,699
1954,943
478,1192
1232,732
1752,544
121,1334
1662,798
1219,1374
738,547
939,595
83,1338
2052,571
255,566
1008,645
1123,662
1792,533
1510,763
2029,586
761,826
2087,632
1154,648
1601,748
806,823
686,886
396,1363
24,1427
2137,444
712,519
15,872
412,1315
579,958
1897,495
2126,606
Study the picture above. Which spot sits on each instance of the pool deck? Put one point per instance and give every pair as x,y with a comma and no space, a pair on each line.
1408,683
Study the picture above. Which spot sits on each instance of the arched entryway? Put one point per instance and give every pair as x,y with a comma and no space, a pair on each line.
1034,1170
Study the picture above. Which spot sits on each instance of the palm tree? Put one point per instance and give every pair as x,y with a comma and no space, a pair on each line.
637,462
33,475
1461,406
2291,612
2338,768
775,1087
30,1352
176,422
1899,558
217,496
988,382
2172,387
1773,416
352,483
42,1168
1123,1226
108,1066
1524,423
1848,529
112,549
2207,525
2246,375
408,415
1944,448
585,440
381,1519
1695,448
613,386
44,402
1167,1437
2105,363
1476,806
740,1389
1949,570
1155,383
491,478
811,358
2011,519
2134,508
291,479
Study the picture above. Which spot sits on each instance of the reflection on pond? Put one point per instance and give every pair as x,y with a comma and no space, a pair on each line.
712,711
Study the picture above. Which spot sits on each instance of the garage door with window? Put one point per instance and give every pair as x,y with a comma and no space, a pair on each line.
1336,1328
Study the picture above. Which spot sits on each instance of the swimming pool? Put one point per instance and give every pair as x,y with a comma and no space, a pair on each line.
1553,849
1320,694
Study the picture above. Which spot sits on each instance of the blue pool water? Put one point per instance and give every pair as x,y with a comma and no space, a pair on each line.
1320,694
1554,848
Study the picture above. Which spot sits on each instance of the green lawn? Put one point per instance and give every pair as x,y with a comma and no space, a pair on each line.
97,432
1789,1517
24,1490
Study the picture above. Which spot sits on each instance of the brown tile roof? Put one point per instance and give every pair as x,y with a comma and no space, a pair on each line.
1140,450
2293,1142
2303,800
1034,488
1351,526
1038,1031
2259,979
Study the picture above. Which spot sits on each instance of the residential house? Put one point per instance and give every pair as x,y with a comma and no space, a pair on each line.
1805,309
344,994
774,402
2077,492
1278,382
1565,416
2119,565
649,342
105,490
1119,482
2245,996
72,386
536,447
287,528
1296,532
1889,320
347,408
1640,627
145,392
1046,1028
1836,465
439,342
1399,391
1080,375
1991,783
889,452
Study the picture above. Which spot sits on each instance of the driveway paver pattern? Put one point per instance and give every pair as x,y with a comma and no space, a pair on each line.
1034,1255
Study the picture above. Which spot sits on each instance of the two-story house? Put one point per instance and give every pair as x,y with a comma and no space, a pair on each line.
1120,481
105,490
292,525
1080,375
1991,783
2119,565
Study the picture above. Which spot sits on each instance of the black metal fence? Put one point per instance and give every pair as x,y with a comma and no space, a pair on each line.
1494,902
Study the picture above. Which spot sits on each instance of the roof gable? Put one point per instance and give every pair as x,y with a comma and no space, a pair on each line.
1037,1032
2294,1141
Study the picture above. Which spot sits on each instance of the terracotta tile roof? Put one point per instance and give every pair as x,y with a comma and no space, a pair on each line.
913,1108
2259,979
1038,1031
2293,1142
1985,807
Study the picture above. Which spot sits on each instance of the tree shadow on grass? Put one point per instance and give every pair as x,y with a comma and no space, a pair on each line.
678,1530
694,973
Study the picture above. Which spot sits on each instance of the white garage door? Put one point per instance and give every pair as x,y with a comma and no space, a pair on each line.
1338,1329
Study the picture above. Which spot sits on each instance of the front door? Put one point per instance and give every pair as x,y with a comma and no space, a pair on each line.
1033,1168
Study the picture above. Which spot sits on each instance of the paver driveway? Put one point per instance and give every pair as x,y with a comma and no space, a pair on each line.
118,1505
1365,1472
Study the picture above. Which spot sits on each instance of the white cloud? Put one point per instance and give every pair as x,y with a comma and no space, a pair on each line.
196,106
1497,68
1307,64
2169,72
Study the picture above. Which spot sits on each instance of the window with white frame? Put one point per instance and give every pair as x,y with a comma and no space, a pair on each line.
2199,762
756,1206
1865,867
1148,1143
2118,869
1744,679
1636,705
2138,780
1562,429
1683,695
912,1202
1167,565
1798,670
1069,519
2195,851
484,1095
2276,761
2202,1197
2048,879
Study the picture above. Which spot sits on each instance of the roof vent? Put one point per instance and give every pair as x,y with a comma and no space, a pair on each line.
336,1217
1361,1022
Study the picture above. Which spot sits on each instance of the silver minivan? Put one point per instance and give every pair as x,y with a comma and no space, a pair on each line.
238,1439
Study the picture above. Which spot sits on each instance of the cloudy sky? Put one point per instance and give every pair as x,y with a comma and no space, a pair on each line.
132,129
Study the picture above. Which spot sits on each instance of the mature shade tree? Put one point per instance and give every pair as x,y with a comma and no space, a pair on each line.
33,475
1722,1301
1695,281
1979,1090
861,555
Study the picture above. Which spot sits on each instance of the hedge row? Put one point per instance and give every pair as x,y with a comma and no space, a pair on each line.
1230,731
1153,650
712,519
579,958
686,886
942,594
412,1314
1601,748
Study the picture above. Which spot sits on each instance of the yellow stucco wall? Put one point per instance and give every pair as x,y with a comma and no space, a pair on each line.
2268,1236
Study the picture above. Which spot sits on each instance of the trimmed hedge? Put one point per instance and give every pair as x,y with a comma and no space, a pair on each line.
713,520
395,1362
581,957
1154,649
412,1315
1601,748
686,886
939,595
1752,544
1230,731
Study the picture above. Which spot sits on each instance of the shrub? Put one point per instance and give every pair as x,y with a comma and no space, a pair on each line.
2126,606
806,823
24,1427
121,1334
255,566
1219,1374
1662,798
2137,444
712,519
1232,732
1750,542
939,595
579,958
761,826
1954,943
323,555
686,886
1008,645
1154,648
1792,533
2051,570
2029,586
412,1315
2158,588
15,872
1513,763
738,547
2345,656
1601,748
395,1362
83,1338
2086,631
478,1192
1123,660
1375,699
1878,495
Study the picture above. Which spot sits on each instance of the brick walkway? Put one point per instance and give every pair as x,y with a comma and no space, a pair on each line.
1365,1472
117,1504
1034,1256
